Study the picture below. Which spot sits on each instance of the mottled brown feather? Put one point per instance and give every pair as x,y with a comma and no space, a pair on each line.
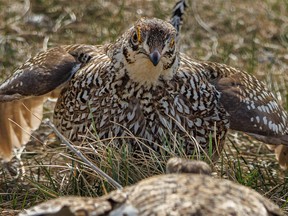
22,95
170,194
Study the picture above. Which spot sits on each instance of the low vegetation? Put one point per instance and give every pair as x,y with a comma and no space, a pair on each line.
251,35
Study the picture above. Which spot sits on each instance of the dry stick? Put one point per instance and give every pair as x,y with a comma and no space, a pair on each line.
79,154
71,147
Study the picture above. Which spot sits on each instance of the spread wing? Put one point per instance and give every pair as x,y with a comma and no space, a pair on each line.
253,109
22,95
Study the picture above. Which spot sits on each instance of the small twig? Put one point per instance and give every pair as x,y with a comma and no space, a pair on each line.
79,154
26,9
27,132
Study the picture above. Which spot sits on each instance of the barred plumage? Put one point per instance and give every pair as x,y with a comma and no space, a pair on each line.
123,93
170,194
37,76
141,87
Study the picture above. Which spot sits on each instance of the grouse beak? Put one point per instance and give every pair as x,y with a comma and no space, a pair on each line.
155,57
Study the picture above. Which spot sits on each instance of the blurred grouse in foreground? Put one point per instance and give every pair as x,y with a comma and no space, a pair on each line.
186,193
140,87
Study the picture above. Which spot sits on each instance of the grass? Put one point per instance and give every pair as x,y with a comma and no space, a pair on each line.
251,35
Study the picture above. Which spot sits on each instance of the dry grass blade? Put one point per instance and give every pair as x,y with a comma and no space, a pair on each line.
79,154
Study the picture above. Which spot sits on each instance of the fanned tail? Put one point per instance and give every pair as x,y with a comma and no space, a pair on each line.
177,16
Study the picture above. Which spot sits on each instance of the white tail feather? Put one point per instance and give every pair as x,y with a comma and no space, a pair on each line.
281,154
18,120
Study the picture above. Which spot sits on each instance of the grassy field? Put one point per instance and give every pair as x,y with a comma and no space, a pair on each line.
251,35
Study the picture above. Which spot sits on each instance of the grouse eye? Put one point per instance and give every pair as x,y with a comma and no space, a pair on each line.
134,38
172,43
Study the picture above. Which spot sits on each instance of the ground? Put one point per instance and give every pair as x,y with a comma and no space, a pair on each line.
251,35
